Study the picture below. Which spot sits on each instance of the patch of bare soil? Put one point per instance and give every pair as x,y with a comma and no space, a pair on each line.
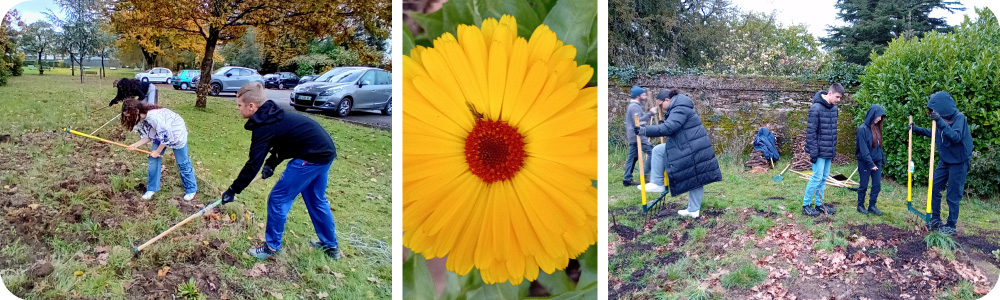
880,262
161,283
627,245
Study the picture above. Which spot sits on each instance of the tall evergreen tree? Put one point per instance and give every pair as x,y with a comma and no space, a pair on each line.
872,24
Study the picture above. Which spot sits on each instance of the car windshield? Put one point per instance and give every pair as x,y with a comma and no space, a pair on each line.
341,75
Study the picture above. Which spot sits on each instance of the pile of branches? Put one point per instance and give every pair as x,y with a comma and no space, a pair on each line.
800,159
757,160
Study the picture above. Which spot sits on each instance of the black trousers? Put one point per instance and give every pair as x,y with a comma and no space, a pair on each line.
876,182
633,156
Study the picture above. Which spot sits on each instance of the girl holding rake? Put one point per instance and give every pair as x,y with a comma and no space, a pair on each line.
164,128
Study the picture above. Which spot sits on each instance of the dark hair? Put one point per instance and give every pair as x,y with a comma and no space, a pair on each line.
667,94
131,110
877,132
837,88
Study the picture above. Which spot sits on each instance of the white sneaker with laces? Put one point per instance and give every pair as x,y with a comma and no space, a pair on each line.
685,213
651,188
190,196
148,195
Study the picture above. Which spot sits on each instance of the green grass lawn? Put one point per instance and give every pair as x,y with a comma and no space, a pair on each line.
64,195
721,254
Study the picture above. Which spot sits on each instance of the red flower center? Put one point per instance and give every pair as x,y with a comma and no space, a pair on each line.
494,150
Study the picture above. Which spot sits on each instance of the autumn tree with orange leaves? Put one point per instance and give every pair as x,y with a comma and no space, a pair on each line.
215,21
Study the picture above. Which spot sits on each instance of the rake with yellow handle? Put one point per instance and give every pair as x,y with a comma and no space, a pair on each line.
103,140
642,173
139,248
909,176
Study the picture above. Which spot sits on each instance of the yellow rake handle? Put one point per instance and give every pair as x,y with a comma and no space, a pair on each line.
909,167
642,175
106,141
930,174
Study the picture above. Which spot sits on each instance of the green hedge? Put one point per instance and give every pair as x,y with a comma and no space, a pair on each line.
965,64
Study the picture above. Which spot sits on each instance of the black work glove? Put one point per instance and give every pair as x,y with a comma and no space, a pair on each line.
113,102
228,196
812,159
911,126
660,122
641,131
266,172
937,117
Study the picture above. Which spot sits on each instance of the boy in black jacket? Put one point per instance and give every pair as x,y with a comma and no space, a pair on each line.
954,145
821,144
311,150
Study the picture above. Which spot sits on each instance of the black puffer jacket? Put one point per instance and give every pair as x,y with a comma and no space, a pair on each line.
821,131
691,160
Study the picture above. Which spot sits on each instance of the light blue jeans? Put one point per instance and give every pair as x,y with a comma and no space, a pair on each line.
659,164
817,184
694,198
183,167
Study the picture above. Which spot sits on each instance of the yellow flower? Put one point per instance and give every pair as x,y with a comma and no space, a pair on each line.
499,149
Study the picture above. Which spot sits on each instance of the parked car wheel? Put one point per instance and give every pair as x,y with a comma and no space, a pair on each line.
145,79
281,86
184,86
169,80
216,89
299,108
344,107
387,110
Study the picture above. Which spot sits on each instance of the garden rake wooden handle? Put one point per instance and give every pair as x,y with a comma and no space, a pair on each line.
642,175
106,141
201,212
786,168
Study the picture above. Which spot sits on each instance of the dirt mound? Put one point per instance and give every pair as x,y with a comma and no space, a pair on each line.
627,233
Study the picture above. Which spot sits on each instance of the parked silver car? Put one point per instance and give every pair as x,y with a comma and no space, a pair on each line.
346,89
230,79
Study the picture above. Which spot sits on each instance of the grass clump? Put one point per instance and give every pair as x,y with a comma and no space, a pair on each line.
746,277
189,291
941,241
760,224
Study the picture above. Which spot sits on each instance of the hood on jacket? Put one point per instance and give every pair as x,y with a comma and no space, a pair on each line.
818,98
266,114
943,104
873,112
680,100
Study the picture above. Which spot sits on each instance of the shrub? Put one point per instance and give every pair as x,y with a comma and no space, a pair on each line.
963,63
845,73
941,241
984,172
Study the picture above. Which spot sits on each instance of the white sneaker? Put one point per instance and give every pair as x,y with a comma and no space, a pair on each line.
651,188
190,196
685,213
148,195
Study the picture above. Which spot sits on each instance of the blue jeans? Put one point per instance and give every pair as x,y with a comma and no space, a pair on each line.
308,179
183,167
659,164
817,184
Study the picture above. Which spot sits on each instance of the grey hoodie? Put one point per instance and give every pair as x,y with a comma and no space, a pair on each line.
634,108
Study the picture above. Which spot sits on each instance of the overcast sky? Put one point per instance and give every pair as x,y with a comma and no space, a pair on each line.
818,14
815,14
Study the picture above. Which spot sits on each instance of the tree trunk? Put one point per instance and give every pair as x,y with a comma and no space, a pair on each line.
72,61
80,62
102,65
206,67
41,69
